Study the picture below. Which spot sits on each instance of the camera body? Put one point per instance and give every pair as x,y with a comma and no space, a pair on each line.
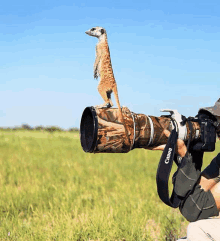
208,126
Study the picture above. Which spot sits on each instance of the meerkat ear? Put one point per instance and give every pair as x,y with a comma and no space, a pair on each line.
102,31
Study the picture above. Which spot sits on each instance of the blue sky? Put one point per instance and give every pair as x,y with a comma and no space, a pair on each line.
165,54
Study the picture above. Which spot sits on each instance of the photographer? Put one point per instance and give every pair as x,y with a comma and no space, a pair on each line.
200,193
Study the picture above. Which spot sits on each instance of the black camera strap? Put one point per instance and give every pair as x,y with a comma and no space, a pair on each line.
164,169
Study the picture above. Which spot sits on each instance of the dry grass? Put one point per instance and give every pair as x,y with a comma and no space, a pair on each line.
52,190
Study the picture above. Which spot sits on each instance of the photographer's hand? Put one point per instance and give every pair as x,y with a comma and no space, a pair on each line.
180,148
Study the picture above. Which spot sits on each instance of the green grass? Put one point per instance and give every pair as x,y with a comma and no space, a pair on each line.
52,190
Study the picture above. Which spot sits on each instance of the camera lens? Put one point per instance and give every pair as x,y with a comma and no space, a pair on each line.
88,129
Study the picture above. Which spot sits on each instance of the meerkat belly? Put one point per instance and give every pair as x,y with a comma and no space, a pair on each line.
106,73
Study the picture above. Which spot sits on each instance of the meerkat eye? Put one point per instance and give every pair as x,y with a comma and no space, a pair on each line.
92,29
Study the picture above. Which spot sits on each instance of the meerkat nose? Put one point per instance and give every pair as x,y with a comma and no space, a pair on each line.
87,32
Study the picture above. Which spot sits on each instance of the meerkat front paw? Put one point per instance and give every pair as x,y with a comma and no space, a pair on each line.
95,76
96,72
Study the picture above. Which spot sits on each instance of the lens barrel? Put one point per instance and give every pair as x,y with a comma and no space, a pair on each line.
101,131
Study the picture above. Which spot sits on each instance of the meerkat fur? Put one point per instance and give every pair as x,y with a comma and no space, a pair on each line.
103,69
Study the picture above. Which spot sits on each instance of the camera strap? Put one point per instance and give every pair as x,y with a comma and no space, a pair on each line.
164,169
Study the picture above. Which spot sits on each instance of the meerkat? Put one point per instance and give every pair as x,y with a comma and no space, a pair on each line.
103,69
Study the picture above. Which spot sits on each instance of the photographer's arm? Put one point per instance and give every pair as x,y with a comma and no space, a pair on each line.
215,190
207,184
210,179
180,149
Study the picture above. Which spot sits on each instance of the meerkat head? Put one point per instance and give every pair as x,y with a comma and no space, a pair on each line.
96,32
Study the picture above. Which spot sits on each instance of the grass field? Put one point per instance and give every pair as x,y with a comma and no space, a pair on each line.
52,190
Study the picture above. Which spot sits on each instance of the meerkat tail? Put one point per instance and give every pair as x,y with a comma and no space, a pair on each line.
120,111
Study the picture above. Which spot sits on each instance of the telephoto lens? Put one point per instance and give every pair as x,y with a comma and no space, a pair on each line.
101,131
